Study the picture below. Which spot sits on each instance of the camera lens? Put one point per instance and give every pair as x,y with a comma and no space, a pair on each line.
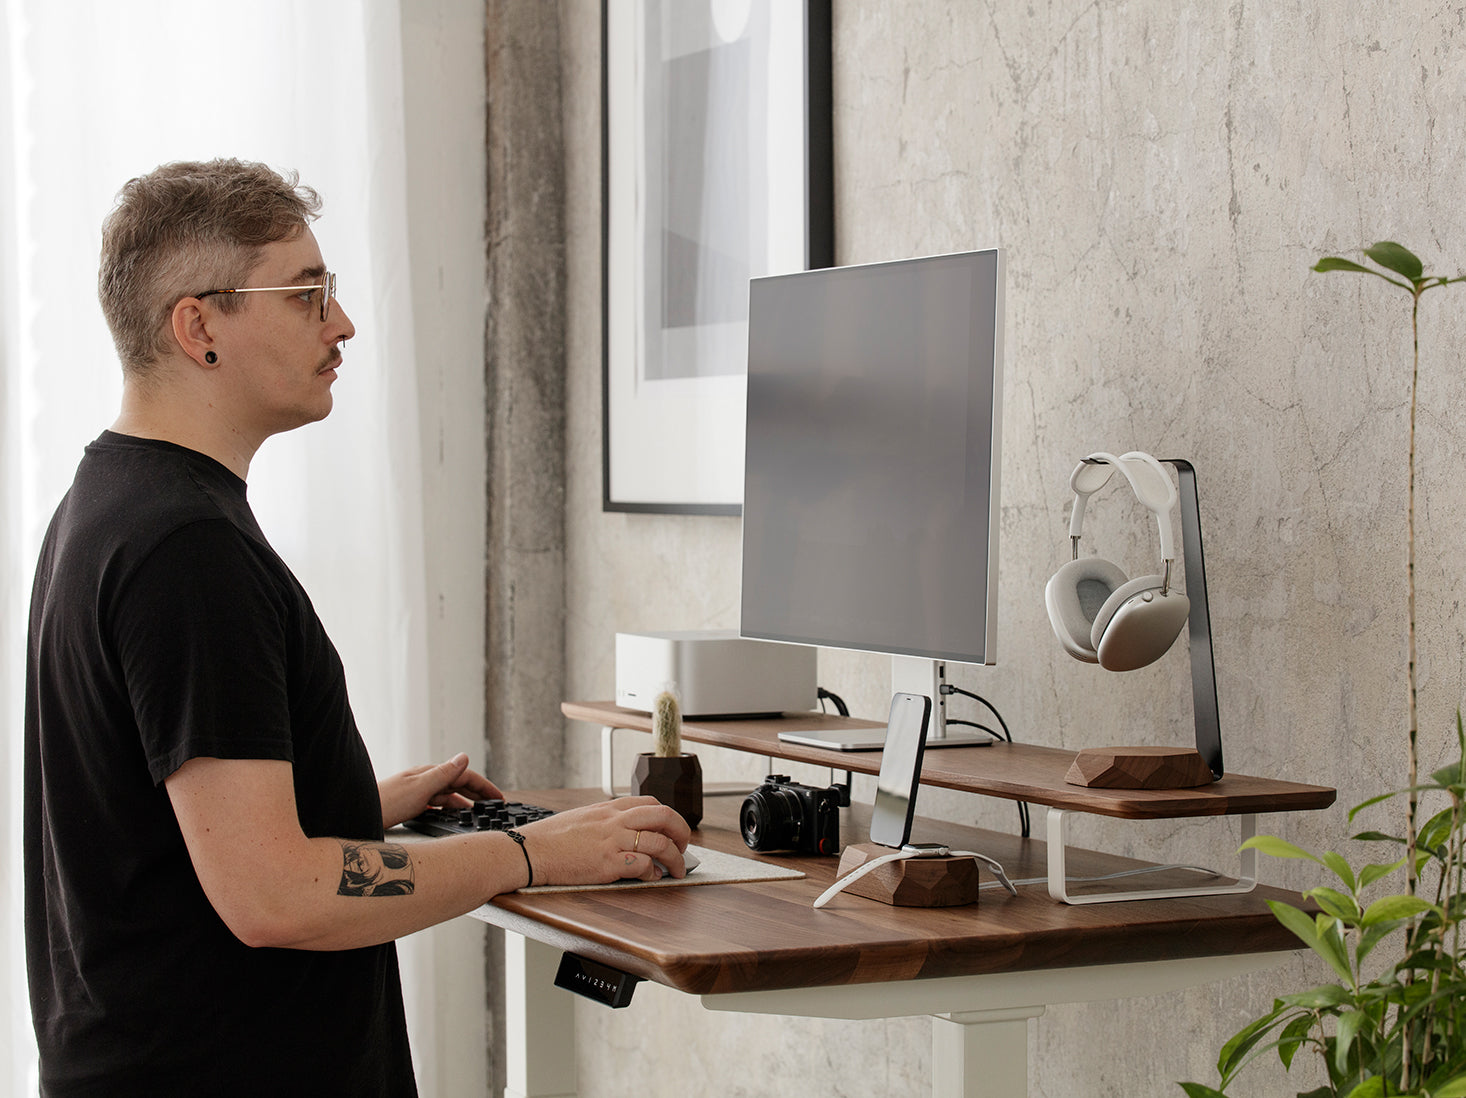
770,819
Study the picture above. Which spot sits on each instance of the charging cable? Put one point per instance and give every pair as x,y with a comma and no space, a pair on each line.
912,850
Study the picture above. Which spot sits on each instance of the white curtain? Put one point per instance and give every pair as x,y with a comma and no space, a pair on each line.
93,92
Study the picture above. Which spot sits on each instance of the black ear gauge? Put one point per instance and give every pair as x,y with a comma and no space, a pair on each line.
210,357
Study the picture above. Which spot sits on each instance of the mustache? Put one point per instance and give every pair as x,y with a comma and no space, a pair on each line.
331,361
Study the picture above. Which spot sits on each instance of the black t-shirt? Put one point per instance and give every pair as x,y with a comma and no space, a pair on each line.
163,627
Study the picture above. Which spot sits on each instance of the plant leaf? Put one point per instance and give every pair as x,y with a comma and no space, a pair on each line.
1436,830
1341,869
1333,901
1199,1090
1349,1023
1277,848
1241,1042
1376,871
1294,1034
1330,946
1391,908
1397,258
1376,799
1377,837
1449,776
1371,1088
1339,263
1372,937
1453,1088
1318,998
1295,920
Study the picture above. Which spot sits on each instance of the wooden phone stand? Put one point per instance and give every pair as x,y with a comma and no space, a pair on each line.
911,882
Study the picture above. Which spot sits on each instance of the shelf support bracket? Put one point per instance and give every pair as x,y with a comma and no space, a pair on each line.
1059,882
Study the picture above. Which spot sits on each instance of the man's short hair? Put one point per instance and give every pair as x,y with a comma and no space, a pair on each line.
185,228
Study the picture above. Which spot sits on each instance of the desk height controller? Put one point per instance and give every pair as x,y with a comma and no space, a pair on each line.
600,983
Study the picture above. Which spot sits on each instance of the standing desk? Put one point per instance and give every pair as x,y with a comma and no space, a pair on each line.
979,971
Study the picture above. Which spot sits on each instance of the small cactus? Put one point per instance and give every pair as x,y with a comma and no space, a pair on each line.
667,726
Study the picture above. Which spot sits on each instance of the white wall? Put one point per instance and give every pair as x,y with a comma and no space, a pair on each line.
380,509
1163,176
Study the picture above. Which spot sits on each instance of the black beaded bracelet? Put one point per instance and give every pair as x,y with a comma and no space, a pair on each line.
518,838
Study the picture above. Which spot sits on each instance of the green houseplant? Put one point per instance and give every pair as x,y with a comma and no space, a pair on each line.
1401,1030
1388,1027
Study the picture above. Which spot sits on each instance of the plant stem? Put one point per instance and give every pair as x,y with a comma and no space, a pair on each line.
1414,723
1414,730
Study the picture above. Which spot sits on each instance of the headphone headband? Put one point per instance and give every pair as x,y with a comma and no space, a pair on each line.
1147,480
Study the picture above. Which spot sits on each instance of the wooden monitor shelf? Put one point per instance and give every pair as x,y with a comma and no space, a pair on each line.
1015,771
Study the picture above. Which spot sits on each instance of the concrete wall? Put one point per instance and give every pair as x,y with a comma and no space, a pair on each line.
1163,176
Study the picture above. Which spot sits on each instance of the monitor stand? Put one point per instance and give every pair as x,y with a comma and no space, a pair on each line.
909,675
919,675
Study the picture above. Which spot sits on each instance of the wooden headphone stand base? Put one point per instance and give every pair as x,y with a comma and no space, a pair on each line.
1139,768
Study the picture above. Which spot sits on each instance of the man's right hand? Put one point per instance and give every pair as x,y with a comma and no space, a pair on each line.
606,842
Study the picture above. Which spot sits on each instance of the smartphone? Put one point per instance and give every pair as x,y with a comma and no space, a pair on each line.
890,823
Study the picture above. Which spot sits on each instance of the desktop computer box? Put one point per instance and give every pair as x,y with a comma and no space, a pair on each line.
715,673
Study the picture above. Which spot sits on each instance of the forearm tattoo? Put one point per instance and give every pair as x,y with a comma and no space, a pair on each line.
375,869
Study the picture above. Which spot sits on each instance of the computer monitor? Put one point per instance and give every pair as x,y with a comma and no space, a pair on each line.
871,505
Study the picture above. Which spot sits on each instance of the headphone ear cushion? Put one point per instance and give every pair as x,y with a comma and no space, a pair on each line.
1134,629
1075,595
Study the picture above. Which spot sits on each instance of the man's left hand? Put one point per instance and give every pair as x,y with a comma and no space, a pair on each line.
445,785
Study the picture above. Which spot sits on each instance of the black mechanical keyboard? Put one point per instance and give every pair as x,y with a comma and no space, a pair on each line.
483,816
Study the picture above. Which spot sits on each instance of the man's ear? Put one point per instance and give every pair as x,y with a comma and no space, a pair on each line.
192,332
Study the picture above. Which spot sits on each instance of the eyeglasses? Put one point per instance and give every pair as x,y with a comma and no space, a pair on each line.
327,288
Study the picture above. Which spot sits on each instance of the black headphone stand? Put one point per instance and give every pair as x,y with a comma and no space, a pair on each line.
1198,623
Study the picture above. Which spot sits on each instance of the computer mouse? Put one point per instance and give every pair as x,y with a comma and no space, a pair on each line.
689,860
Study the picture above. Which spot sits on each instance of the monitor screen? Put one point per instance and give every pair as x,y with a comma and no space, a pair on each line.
870,508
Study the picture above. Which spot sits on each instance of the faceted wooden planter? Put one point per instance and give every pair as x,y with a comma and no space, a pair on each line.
675,781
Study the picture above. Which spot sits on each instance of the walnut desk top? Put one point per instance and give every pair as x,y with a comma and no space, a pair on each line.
762,936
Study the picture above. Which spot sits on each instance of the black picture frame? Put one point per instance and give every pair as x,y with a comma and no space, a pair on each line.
672,430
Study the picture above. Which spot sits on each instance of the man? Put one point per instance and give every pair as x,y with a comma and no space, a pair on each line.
210,902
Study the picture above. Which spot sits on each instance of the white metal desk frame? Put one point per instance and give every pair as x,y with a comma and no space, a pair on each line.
979,1023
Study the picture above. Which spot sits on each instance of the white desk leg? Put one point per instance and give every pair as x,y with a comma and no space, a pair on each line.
608,750
981,1053
539,1027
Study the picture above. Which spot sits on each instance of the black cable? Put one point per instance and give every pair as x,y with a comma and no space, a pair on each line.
948,688
840,706
979,727
844,711
1024,824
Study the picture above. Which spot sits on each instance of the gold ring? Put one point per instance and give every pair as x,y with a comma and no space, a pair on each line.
636,842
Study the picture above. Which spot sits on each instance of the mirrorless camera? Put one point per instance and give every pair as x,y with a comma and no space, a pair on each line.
784,815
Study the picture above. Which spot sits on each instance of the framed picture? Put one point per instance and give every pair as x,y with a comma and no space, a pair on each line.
717,165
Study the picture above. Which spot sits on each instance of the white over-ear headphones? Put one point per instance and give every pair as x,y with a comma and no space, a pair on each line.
1098,613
